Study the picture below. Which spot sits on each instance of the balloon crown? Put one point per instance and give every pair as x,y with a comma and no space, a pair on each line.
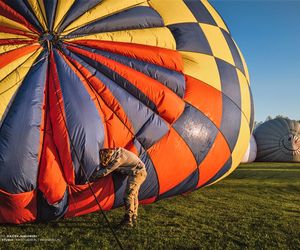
49,39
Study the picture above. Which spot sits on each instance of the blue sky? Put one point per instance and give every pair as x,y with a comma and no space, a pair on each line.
268,34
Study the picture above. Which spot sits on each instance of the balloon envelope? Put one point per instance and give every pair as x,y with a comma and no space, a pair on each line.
251,152
163,79
278,140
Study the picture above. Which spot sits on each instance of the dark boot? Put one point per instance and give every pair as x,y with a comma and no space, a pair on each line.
126,222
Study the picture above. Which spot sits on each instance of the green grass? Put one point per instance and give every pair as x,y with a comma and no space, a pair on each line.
257,207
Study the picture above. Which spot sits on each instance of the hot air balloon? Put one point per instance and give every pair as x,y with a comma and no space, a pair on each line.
251,152
278,140
163,79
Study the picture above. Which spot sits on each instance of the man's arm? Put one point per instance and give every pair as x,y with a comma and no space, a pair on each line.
99,174
110,168
106,171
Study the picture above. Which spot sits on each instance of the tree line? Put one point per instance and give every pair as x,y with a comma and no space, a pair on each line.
268,118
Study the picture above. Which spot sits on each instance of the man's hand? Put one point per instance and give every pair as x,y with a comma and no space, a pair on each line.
98,173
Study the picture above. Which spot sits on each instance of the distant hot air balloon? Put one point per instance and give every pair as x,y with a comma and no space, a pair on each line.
163,79
251,152
278,140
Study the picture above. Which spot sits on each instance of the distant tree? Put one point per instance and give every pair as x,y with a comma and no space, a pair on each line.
281,116
268,118
256,124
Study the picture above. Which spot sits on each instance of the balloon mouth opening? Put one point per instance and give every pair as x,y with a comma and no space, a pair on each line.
49,39
291,144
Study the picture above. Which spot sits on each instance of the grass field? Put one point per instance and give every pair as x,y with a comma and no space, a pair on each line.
258,206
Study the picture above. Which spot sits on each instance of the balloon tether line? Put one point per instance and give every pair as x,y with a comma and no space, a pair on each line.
85,174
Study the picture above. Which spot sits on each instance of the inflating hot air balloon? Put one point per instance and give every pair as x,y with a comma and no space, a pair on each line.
163,79
278,140
251,152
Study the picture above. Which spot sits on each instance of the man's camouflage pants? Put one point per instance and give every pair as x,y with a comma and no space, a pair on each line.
134,183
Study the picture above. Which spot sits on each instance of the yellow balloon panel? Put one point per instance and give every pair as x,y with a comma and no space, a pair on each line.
104,8
39,11
160,37
10,84
13,65
217,42
167,8
202,67
4,21
7,48
4,36
245,95
215,15
62,9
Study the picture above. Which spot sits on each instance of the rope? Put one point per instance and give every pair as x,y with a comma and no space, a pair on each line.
84,172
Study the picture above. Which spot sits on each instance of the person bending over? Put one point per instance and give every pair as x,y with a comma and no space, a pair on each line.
125,162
